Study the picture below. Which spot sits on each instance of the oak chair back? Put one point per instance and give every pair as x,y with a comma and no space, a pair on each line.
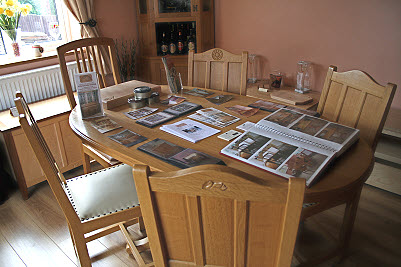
354,99
213,215
91,54
218,69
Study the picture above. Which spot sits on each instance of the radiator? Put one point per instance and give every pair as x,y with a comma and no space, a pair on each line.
35,85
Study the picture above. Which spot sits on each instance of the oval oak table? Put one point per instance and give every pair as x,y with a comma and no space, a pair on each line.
341,183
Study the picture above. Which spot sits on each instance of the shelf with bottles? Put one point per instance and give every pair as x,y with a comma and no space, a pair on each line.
175,38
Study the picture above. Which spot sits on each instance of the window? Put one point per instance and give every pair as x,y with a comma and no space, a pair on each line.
49,24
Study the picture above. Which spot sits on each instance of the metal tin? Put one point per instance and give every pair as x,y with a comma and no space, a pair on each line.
142,92
154,98
136,103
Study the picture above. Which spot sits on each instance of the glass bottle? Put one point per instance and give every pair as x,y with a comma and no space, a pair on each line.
164,45
180,43
304,77
191,41
253,63
172,45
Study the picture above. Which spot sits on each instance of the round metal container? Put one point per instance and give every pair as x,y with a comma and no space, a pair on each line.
154,98
136,103
142,92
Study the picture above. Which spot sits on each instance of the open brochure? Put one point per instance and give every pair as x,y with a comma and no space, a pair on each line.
177,155
90,102
291,144
190,130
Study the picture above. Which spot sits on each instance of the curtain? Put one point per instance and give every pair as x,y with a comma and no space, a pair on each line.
84,12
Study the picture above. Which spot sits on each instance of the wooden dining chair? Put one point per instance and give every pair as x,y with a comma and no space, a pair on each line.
354,99
94,204
213,215
89,56
218,69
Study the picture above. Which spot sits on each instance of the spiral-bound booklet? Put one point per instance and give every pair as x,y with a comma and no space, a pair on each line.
292,144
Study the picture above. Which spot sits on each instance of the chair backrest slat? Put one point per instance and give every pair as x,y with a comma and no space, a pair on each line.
218,69
217,216
89,51
354,99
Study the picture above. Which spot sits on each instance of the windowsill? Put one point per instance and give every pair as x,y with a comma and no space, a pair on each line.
15,61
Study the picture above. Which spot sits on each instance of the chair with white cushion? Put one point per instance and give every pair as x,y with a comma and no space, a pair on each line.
104,201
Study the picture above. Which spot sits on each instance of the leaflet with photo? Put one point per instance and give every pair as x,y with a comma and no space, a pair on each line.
177,155
90,102
183,108
266,105
198,92
104,124
172,100
291,144
128,138
243,111
173,78
220,99
215,116
156,119
190,130
139,113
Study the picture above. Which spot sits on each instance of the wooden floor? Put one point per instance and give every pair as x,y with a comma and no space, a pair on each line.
35,233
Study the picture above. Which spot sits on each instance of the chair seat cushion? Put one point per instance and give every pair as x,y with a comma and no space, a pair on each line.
102,192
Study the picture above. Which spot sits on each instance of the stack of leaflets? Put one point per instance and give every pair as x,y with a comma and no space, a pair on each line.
243,111
214,117
220,99
177,155
198,92
90,102
127,138
139,113
104,124
168,114
189,130
272,107
173,78
183,108
292,144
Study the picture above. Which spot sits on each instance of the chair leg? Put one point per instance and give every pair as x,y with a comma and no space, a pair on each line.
348,222
81,249
132,246
86,161
141,224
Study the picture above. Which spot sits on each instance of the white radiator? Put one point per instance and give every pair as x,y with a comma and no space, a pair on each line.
35,85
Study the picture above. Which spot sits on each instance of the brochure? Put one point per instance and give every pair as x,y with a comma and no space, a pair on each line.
172,100
214,117
104,125
291,144
173,79
183,108
243,111
177,155
198,92
90,102
127,138
156,119
220,99
266,105
189,130
139,113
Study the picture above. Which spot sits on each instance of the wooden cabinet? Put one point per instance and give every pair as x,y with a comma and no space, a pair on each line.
63,143
158,16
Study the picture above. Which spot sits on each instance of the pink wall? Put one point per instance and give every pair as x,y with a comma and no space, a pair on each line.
117,19
357,34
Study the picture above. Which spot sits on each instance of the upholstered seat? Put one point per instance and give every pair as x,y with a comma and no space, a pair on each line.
102,192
